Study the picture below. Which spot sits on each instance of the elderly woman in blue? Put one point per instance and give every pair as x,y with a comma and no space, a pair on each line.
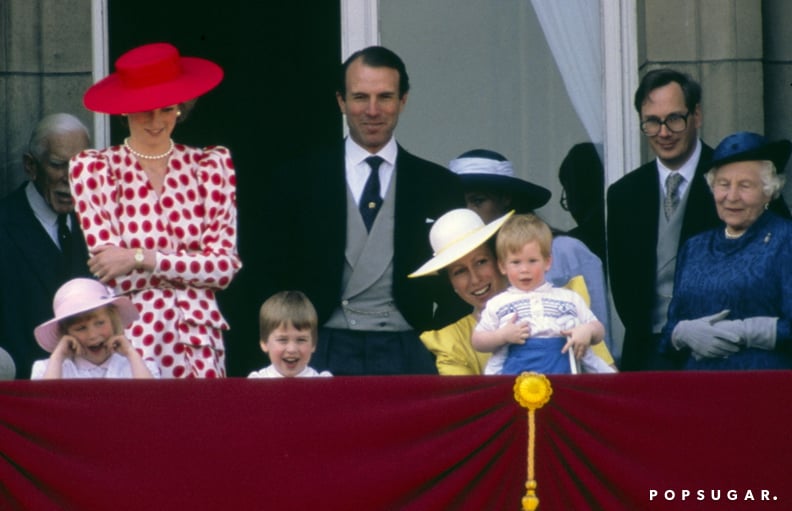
732,304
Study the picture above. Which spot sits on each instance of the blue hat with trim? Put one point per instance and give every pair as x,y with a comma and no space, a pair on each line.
747,146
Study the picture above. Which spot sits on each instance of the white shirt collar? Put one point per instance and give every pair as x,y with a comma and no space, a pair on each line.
356,154
357,170
687,170
44,213
543,288
86,365
271,372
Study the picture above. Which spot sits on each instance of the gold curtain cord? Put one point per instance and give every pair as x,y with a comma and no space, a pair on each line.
532,391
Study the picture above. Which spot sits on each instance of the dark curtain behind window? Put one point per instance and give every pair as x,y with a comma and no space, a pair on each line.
277,99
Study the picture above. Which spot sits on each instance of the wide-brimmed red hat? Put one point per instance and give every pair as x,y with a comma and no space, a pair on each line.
149,77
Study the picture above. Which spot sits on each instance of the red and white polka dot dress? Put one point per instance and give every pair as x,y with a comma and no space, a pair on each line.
191,225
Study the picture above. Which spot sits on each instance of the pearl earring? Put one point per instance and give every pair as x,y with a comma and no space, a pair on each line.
178,113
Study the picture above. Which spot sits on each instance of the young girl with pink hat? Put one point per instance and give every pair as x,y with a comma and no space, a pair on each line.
159,217
86,336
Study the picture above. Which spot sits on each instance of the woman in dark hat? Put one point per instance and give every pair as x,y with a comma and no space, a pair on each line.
159,217
491,190
732,304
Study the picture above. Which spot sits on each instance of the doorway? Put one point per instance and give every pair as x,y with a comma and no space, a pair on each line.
281,64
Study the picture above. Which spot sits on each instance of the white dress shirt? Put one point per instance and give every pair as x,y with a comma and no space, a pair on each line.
44,213
687,171
271,372
116,366
357,170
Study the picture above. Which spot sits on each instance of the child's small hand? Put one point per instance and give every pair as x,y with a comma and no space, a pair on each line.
121,345
578,339
515,331
68,347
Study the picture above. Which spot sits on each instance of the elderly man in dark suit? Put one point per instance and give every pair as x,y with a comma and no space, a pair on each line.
41,244
654,209
348,224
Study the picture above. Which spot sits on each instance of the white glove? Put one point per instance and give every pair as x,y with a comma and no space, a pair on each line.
756,332
705,338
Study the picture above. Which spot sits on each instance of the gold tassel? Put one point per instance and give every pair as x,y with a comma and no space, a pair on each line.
532,391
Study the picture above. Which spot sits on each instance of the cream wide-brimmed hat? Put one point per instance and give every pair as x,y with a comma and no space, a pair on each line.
456,234
75,297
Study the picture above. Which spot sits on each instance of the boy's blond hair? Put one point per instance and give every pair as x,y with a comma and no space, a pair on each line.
288,307
519,230
112,311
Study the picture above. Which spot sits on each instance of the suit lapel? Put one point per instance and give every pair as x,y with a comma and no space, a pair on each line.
409,211
78,259
332,192
647,205
700,213
321,207
32,241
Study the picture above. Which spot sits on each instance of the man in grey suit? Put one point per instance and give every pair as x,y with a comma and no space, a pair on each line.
41,244
348,224
654,209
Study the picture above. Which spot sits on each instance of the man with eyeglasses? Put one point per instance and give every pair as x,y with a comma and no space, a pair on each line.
643,235
654,209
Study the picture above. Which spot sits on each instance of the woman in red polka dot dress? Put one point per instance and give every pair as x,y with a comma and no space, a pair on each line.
160,218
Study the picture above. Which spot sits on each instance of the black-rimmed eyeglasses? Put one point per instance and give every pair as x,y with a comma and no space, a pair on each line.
676,123
563,200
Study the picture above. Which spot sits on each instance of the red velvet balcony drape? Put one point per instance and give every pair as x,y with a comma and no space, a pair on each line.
611,442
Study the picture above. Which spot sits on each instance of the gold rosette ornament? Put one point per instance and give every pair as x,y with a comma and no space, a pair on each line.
532,391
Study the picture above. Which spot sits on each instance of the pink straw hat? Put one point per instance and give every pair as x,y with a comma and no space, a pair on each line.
78,296
149,77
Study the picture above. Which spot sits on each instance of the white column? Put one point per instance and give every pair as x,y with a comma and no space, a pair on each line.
359,29
101,66
359,25
622,136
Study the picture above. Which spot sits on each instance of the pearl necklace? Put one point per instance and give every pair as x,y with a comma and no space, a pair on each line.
730,236
149,156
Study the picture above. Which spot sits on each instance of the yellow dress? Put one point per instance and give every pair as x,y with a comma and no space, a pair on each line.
451,346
